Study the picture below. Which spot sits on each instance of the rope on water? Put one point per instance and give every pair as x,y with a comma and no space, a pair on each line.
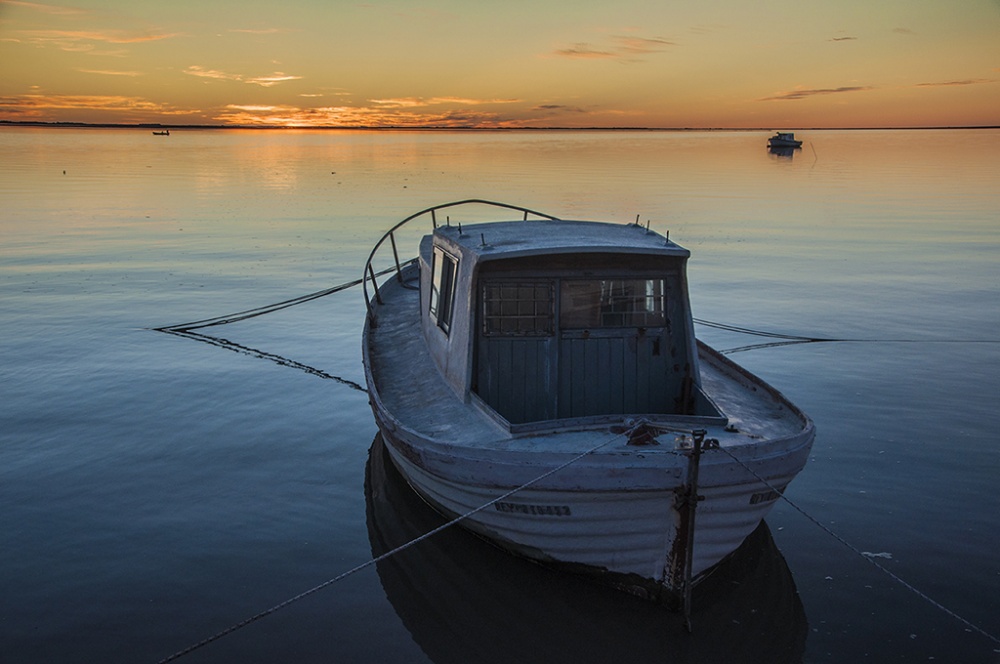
185,330
388,554
263,355
793,339
860,553
758,333
270,308
260,311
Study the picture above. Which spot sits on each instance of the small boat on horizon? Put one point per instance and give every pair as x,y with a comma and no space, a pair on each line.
540,379
165,132
784,139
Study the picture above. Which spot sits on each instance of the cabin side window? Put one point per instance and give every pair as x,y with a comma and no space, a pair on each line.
443,271
518,308
593,303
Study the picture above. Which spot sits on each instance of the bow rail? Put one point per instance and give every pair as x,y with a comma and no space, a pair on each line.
370,275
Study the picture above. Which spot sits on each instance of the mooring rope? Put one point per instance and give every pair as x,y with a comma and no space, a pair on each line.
270,308
259,311
758,333
869,558
388,554
794,339
185,330
263,355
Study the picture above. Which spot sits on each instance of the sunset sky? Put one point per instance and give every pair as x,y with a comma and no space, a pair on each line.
469,63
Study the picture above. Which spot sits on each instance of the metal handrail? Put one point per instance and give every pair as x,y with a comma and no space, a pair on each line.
369,273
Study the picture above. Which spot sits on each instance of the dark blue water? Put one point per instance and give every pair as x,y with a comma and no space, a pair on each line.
156,490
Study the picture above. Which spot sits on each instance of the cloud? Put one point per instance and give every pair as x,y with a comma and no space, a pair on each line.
261,31
558,107
263,81
706,29
642,45
622,48
195,70
398,103
273,79
76,36
903,31
397,115
46,9
107,72
251,108
968,81
417,102
34,104
584,50
802,94
840,39
466,101
83,41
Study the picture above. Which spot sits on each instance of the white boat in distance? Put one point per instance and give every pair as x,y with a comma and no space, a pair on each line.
548,370
783,139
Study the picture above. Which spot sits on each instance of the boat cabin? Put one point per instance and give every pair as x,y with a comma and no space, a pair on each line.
561,320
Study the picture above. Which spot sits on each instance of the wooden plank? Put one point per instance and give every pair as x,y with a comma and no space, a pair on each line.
591,377
630,400
602,379
578,357
642,382
517,386
565,378
615,375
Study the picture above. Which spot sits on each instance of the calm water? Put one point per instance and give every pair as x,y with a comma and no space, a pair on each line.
155,490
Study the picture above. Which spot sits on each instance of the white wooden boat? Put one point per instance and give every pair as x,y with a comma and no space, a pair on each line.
560,357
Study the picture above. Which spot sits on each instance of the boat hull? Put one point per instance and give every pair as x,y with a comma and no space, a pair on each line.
598,523
520,612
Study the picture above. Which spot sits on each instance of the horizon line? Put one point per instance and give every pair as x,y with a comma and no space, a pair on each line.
155,125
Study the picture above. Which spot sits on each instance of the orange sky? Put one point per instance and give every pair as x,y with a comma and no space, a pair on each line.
580,63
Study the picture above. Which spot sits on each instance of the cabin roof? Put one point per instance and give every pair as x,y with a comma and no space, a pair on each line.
509,239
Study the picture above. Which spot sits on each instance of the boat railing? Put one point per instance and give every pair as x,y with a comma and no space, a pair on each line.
370,275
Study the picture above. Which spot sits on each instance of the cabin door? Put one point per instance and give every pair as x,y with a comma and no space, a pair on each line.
563,347
515,354
614,348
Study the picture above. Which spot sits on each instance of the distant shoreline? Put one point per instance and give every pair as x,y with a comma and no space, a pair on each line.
150,126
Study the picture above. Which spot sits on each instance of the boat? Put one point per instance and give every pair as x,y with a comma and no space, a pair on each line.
783,139
165,132
539,381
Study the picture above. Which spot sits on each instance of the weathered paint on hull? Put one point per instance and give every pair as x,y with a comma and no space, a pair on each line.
630,539
746,611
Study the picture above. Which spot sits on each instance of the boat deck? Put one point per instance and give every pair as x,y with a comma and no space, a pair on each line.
414,391
408,381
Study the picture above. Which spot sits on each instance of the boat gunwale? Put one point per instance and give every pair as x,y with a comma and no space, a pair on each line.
732,367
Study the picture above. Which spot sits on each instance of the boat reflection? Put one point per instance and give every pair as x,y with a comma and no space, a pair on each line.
463,599
782,151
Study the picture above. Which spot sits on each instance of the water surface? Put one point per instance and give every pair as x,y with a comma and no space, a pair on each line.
157,490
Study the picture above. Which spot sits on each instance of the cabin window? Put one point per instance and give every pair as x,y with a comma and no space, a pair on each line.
443,271
518,308
590,303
